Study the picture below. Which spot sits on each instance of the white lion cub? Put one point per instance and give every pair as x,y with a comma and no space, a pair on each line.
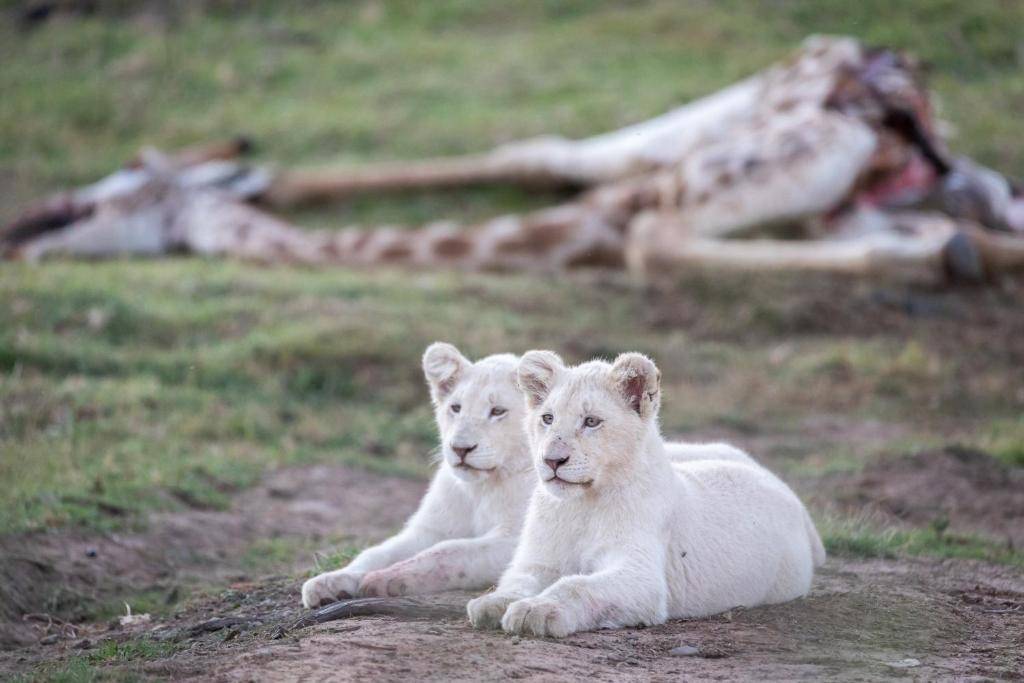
465,530
622,532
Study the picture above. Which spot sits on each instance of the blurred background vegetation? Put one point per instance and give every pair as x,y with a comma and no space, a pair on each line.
133,386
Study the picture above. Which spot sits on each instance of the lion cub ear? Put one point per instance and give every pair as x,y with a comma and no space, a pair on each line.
537,373
443,365
638,379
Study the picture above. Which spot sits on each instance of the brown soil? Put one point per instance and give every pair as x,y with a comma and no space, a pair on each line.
966,489
67,573
862,619
865,619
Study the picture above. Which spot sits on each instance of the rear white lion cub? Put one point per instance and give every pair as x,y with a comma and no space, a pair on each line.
622,532
465,530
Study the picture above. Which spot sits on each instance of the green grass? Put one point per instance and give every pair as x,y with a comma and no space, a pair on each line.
292,554
337,557
74,670
855,537
275,368
134,386
111,651
1005,440
110,661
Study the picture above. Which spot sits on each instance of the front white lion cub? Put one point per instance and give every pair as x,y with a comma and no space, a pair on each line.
620,532
465,530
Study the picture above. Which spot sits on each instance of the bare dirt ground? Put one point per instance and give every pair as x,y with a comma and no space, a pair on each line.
48,573
921,618
863,620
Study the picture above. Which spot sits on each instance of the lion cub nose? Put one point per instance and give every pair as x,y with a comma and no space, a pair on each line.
555,463
463,451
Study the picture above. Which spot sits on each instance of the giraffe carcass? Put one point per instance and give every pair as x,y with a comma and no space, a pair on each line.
835,148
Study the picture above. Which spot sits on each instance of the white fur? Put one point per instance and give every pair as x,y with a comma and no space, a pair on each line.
465,530
679,452
638,531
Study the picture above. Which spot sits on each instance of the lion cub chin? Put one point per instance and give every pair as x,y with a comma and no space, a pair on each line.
464,532
625,530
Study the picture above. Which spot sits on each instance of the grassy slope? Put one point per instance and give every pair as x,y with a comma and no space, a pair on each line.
138,384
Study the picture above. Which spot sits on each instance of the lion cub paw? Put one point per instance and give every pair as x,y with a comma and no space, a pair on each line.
329,587
383,583
538,616
487,610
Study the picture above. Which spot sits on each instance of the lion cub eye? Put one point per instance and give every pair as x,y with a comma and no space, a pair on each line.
547,418
498,411
592,421
456,407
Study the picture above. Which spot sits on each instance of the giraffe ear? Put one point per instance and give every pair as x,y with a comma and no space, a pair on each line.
638,380
538,371
443,366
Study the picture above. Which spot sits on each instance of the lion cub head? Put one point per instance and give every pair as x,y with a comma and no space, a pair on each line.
479,412
587,424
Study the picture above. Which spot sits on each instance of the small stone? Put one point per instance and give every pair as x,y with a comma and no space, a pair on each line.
684,651
515,640
91,552
82,644
50,639
908,663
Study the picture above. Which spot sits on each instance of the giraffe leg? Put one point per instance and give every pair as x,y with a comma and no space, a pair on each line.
295,187
660,244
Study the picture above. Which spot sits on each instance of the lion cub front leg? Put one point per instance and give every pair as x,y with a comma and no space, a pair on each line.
344,583
622,596
517,583
449,565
